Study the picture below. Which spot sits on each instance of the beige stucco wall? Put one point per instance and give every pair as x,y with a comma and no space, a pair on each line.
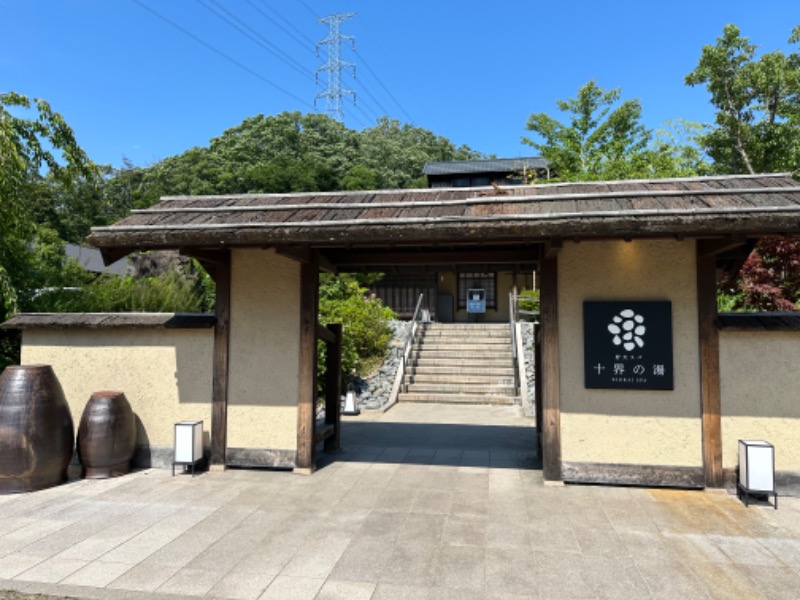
263,386
760,389
620,426
164,373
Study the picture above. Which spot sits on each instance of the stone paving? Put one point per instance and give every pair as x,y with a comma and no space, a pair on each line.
458,511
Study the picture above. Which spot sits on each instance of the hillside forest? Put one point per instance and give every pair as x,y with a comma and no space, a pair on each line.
51,192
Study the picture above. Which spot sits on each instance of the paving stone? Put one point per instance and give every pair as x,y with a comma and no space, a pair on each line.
346,590
292,588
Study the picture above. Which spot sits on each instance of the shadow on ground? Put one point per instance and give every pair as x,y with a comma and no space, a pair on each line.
447,444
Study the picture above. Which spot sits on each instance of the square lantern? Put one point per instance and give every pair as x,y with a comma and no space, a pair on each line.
756,470
188,444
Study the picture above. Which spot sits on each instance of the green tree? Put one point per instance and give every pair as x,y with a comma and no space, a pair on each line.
35,143
395,153
598,141
757,123
603,138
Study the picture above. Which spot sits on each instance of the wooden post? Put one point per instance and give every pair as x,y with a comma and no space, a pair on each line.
709,369
537,389
219,394
333,387
550,372
306,403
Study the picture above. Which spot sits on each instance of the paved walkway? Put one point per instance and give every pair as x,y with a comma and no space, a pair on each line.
459,513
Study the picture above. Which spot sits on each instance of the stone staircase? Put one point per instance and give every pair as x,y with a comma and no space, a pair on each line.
461,364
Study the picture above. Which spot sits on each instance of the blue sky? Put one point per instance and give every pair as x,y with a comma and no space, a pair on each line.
134,86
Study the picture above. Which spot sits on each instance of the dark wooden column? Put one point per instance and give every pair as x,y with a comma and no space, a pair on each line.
709,367
550,372
221,273
333,387
306,413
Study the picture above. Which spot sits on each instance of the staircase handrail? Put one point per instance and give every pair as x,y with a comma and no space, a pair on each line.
512,320
404,357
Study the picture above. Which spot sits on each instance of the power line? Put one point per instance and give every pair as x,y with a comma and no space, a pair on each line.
309,9
299,34
255,37
221,53
380,83
364,89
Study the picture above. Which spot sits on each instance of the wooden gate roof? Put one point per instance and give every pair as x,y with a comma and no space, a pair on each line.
700,207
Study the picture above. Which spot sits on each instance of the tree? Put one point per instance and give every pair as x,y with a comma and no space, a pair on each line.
604,138
395,153
757,124
769,280
29,145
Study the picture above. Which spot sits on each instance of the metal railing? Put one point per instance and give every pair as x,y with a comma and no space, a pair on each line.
399,379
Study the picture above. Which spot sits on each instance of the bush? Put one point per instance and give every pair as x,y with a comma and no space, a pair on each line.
365,324
528,300
172,292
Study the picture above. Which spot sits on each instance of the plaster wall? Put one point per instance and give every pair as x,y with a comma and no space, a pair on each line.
164,373
263,386
760,388
636,427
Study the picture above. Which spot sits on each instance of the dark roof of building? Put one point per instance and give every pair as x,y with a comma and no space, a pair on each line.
110,321
699,207
492,165
768,321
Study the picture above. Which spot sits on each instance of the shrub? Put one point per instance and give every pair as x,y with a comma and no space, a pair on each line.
365,324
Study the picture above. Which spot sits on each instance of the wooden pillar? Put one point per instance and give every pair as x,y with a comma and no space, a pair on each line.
219,394
709,369
306,409
333,387
550,373
537,390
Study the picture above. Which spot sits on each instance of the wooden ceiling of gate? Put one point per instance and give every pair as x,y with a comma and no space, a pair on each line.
703,207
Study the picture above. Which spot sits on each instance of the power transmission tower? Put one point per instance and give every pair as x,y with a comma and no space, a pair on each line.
335,65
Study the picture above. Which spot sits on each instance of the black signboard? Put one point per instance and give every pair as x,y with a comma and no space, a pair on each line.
628,345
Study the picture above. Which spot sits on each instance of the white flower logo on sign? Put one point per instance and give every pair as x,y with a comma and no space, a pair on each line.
628,330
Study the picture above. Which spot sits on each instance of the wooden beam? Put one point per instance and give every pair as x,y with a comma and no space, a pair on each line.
333,387
550,371
219,386
442,257
306,402
325,334
552,248
707,248
205,256
709,370
306,255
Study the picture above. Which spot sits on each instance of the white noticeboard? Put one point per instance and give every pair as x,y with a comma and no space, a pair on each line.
188,442
757,465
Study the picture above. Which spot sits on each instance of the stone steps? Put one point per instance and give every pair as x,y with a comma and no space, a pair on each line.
461,364
457,369
501,400
451,379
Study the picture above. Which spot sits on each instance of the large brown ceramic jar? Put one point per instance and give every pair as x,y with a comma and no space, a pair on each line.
36,430
106,436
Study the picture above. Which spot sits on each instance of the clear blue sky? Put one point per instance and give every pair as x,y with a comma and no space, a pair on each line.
132,85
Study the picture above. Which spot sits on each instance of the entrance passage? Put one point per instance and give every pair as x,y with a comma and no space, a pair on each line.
456,435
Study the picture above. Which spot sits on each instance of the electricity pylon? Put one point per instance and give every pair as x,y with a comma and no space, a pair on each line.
335,65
